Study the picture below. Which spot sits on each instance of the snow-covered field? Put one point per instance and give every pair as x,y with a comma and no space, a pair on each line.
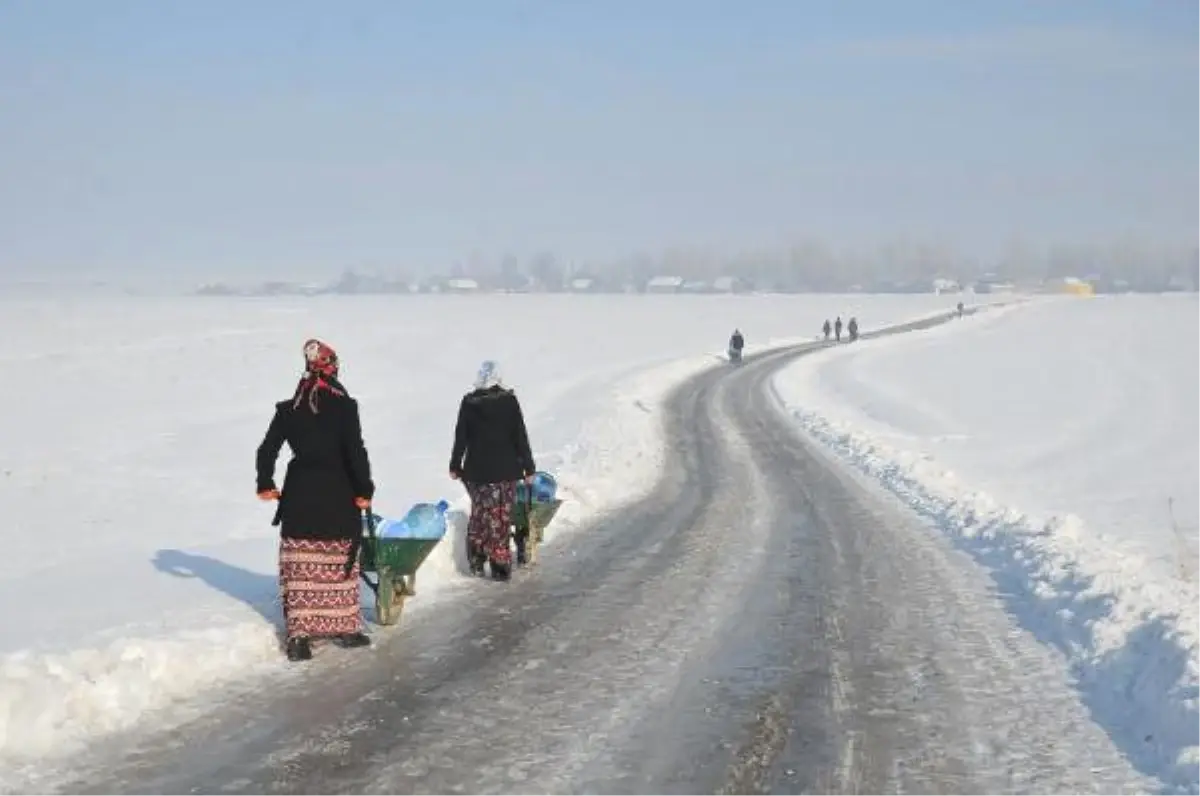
1057,442
138,569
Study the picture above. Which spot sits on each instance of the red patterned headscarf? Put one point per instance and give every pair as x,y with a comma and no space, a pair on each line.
320,373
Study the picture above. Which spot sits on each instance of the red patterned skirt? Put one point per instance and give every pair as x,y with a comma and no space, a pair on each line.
491,511
318,598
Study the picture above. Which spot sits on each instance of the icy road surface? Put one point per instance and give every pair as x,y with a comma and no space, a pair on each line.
763,622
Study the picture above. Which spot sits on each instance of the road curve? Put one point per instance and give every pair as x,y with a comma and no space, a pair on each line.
761,623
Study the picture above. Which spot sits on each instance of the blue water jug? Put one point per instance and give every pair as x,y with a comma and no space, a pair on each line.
423,521
544,488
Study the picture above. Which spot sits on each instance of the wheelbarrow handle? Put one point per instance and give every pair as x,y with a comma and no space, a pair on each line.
356,544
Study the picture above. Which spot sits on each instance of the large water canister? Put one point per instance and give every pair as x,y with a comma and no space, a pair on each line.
545,488
423,521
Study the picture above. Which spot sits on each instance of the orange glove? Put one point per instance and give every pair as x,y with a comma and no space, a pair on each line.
269,494
362,503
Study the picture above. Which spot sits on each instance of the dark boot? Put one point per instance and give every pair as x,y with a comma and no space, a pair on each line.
352,640
299,649
520,539
501,571
476,558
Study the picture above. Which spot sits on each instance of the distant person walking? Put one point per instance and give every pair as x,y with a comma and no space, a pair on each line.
826,328
490,455
852,328
736,343
328,484
837,329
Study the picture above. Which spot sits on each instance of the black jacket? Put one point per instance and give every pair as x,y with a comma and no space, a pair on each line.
491,444
737,342
328,470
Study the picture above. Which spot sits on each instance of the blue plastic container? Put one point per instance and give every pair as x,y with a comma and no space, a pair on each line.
423,521
544,488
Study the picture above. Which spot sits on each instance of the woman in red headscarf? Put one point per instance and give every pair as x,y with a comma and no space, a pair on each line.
328,484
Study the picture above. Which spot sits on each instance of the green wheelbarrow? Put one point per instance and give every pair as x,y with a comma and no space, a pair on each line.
535,507
395,559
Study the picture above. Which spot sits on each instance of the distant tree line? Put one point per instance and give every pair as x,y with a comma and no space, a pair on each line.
806,266
814,266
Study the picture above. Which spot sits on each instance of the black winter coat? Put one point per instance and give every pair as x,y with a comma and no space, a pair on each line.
491,444
328,470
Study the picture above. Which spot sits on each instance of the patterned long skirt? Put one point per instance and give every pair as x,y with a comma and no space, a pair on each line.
318,598
491,510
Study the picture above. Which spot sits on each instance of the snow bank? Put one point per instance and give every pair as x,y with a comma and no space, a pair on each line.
1046,440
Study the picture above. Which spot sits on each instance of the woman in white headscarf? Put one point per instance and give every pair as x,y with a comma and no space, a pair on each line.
491,454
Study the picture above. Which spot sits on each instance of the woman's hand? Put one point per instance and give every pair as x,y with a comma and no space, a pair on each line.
362,503
268,494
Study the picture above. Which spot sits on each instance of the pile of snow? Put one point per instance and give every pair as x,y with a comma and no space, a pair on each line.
1057,443
139,570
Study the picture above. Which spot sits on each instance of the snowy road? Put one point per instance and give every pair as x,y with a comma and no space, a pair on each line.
764,622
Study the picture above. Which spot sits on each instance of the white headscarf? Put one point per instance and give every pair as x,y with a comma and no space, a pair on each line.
488,375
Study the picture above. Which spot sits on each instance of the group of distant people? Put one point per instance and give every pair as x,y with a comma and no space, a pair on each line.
328,486
737,342
836,329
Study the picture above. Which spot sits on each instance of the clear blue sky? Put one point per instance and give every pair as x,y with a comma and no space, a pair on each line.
246,138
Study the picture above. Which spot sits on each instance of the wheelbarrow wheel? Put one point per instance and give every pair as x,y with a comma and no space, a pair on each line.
533,542
389,603
389,613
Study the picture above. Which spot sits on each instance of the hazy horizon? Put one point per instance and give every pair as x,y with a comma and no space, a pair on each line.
242,141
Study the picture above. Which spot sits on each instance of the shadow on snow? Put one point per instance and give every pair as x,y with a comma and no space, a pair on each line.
259,591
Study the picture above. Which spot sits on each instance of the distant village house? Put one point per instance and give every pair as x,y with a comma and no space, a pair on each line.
665,284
